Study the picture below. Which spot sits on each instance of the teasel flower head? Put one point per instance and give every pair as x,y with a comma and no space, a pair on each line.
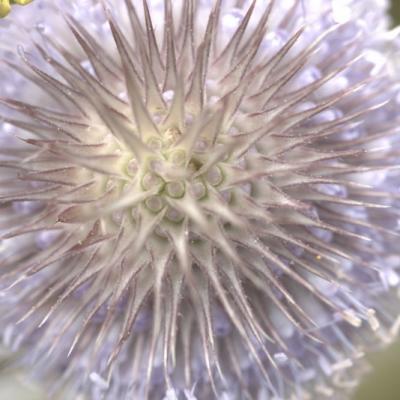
199,199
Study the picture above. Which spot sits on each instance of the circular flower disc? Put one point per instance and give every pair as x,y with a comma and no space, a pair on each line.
199,199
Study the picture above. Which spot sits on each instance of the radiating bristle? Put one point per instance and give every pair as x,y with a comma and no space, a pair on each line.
198,198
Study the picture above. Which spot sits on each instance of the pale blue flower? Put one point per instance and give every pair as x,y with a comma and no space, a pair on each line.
199,199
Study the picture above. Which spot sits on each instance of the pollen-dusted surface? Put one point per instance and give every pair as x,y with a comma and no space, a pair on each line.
198,198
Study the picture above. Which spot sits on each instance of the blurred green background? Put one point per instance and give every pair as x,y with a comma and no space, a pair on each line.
383,383
396,10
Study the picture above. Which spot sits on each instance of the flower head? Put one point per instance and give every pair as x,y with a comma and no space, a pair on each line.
199,198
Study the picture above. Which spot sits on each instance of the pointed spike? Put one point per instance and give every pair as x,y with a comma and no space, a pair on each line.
195,97
146,126
154,52
96,56
176,114
179,238
231,48
60,88
154,100
186,32
171,72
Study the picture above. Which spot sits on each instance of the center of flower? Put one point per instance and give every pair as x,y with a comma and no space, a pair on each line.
172,172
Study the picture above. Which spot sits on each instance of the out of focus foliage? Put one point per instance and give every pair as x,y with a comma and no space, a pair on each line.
396,11
384,382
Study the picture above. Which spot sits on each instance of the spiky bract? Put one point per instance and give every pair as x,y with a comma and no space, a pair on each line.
199,198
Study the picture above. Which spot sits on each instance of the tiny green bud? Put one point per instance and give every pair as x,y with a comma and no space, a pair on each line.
4,8
5,5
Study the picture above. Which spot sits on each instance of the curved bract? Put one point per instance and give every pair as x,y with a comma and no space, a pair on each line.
199,198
